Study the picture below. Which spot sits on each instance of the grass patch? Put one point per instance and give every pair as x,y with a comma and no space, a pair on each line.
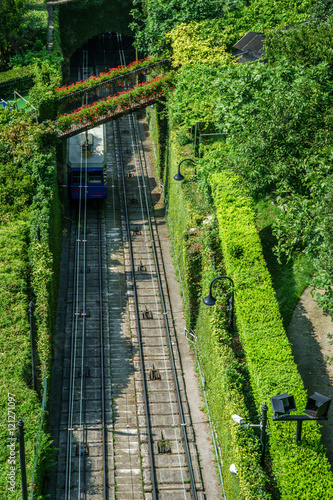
289,278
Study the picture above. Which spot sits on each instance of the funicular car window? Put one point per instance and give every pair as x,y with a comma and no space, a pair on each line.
76,177
94,177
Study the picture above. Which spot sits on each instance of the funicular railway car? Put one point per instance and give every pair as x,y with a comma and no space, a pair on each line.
86,160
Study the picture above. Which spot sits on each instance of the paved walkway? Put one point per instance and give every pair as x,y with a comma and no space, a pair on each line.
309,333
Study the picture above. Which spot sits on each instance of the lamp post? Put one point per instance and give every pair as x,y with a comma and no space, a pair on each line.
316,408
22,460
263,426
210,300
179,176
32,344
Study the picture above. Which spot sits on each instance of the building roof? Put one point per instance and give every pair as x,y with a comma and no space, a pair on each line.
250,47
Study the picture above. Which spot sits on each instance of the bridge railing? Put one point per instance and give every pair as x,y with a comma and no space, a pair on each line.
77,128
88,116
105,79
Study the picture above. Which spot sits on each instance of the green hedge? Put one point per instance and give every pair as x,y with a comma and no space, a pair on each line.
302,471
197,259
227,386
15,368
28,271
309,44
18,79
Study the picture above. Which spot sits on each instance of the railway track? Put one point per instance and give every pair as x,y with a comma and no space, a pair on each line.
124,427
85,412
169,459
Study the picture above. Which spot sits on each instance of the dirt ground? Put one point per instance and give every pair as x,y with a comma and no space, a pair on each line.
309,333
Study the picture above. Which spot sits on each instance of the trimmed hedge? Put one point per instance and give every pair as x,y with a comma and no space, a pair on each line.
302,470
28,271
15,368
197,259
226,382
18,79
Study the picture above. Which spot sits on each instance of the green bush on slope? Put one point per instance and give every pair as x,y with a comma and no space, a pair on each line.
302,471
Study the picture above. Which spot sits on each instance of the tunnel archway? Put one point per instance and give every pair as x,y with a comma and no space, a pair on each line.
83,20
101,53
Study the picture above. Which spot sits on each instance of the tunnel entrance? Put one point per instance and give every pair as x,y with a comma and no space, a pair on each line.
101,53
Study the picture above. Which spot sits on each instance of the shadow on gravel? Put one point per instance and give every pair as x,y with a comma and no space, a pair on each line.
312,366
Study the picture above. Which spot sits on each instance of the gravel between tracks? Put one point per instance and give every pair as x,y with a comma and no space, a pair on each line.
201,428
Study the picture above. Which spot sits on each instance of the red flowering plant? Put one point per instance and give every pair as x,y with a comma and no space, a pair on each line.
139,96
120,71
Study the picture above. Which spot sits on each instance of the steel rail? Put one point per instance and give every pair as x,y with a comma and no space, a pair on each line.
166,355
75,317
82,441
174,369
102,352
137,315
74,330
72,361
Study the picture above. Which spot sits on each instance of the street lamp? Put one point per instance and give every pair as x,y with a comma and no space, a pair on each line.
263,426
179,176
316,408
210,300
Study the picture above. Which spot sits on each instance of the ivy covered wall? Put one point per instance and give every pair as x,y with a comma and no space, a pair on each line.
83,19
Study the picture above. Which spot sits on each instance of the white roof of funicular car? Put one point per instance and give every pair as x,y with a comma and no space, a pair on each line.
95,140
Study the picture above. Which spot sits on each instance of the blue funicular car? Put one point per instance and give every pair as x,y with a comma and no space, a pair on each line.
86,160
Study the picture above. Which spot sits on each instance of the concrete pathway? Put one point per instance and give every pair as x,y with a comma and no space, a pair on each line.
309,333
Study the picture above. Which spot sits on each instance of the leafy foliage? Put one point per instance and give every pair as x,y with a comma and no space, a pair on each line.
11,15
276,125
322,10
309,44
268,352
42,94
198,43
195,95
162,17
197,253
23,31
151,23
28,198
19,79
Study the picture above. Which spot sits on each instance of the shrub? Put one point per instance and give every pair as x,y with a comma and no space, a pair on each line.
302,471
